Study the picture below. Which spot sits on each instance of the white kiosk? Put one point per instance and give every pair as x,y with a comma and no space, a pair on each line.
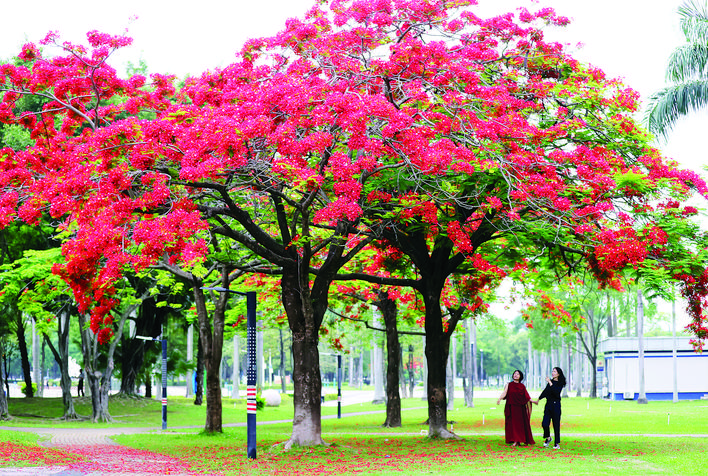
622,369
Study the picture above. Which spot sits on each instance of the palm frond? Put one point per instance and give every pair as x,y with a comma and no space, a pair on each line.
673,102
688,62
694,21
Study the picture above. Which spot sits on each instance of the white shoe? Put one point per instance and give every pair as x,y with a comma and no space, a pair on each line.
557,447
546,442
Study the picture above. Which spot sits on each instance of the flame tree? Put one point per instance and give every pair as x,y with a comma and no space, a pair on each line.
465,143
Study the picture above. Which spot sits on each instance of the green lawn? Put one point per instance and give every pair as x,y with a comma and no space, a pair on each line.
597,437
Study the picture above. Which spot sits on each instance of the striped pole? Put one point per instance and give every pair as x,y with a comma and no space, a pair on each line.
339,386
251,373
164,383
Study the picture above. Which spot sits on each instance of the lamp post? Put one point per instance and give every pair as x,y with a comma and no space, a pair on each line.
481,368
251,370
339,382
339,385
164,374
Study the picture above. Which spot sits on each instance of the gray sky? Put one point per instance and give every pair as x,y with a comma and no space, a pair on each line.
626,38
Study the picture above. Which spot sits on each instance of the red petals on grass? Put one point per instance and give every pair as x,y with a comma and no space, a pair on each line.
12,454
119,459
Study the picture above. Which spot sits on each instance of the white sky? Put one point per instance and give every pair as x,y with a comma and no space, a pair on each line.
630,39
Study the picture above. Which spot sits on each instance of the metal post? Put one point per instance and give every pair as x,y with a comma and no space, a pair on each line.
190,351
481,368
339,386
642,398
251,373
162,339
674,356
164,383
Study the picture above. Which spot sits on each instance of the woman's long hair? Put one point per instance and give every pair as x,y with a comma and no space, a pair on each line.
561,376
521,375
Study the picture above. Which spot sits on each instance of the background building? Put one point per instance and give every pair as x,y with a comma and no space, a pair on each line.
620,377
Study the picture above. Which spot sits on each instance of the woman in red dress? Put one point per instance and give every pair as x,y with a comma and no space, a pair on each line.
517,411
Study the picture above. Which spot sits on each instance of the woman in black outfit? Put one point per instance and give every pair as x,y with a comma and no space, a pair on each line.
552,410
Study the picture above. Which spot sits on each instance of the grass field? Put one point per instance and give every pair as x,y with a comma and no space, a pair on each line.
597,437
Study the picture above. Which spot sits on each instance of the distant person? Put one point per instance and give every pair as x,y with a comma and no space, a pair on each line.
517,411
552,410
80,388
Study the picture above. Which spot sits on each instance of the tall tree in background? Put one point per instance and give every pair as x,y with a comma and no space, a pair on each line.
16,240
47,299
4,395
687,72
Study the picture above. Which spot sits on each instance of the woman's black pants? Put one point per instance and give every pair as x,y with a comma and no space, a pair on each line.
552,413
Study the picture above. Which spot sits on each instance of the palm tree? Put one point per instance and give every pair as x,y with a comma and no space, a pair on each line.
687,71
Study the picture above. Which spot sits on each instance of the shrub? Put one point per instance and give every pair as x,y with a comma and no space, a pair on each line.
23,388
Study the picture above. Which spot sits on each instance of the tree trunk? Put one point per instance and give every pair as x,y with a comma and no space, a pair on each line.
61,356
402,377
90,350
451,372
437,348
569,365
377,365
24,355
564,361
6,366
282,361
148,323
627,332
40,380
4,409
131,363
212,339
578,367
642,397
352,365
199,387
307,425
593,366
360,370
393,350
411,371
148,388
99,398
99,381
304,322
469,373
